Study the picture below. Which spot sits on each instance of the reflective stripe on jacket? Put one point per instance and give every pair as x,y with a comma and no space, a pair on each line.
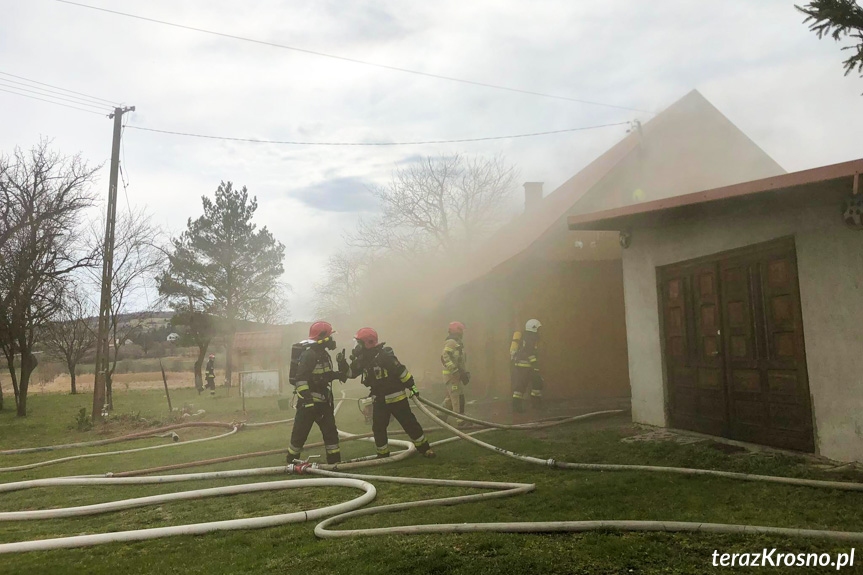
453,357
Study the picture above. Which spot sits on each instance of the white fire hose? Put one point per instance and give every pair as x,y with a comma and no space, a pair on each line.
336,514
841,485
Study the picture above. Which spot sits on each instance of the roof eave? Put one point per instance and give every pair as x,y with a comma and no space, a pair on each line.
618,218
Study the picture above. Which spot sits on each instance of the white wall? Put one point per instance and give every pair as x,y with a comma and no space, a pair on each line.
830,267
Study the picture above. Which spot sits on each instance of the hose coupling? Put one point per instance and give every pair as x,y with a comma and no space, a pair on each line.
300,466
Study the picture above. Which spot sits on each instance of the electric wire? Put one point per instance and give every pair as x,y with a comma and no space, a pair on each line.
407,143
52,93
113,104
353,60
53,102
76,102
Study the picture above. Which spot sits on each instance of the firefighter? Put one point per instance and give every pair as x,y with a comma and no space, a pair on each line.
525,367
391,384
455,372
211,374
315,375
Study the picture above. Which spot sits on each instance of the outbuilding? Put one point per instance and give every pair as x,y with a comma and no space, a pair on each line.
744,309
533,267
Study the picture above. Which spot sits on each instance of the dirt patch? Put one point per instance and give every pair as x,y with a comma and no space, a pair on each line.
663,435
122,381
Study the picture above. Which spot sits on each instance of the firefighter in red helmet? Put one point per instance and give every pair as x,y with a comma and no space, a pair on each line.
314,379
455,373
391,384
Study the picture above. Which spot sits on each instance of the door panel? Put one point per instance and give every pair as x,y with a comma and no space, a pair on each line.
734,346
693,349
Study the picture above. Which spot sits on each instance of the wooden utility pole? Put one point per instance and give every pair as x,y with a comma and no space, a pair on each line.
103,335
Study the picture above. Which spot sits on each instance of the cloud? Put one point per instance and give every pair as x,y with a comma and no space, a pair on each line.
346,194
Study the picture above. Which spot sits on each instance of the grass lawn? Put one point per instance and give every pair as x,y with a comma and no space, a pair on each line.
560,495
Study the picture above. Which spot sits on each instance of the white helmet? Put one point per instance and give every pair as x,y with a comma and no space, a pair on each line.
532,325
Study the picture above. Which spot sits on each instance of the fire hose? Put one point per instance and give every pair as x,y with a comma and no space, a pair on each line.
335,514
234,427
421,403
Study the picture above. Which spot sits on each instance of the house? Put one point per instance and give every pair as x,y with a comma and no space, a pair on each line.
573,282
173,337
743,309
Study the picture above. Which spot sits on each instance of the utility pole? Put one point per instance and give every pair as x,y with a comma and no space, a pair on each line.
103,335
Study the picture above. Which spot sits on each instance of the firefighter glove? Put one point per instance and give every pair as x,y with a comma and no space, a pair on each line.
465,377
342,362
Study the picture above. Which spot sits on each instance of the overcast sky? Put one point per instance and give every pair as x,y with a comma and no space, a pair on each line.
755,61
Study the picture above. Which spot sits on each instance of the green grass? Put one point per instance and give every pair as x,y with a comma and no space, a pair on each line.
560,495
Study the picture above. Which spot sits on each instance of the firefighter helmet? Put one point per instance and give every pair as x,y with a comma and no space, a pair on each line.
321,330
368,337
532,325
456,328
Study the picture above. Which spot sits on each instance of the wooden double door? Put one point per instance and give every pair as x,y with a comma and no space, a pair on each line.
733,344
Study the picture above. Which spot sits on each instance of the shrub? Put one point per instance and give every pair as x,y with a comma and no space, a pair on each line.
82,422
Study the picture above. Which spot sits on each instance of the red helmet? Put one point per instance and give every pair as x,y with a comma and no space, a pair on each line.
456,328
368,337
321,330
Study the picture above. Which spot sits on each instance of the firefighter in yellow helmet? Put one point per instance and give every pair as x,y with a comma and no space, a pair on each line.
525,367
455,373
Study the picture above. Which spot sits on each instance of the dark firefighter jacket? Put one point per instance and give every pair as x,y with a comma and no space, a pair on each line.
525,354
315,374
383,373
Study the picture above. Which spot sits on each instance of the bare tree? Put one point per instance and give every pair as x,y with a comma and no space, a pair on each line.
40,249
339,293
137,259
70,335
444,205
275,309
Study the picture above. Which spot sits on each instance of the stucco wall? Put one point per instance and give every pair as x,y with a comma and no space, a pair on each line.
830,265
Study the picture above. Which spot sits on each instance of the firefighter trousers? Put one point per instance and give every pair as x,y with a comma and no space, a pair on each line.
401,410
526,381
454,398
322,414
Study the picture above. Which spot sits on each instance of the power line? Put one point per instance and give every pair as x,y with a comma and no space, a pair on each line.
59,88
84,100
79,101
414,143
53,102
352,60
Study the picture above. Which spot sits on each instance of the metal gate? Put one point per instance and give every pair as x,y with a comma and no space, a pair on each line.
733,343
